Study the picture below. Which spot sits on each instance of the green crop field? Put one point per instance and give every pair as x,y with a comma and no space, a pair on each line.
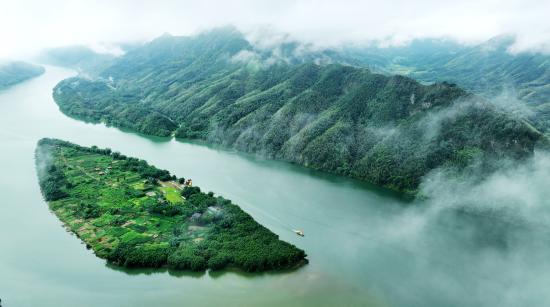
172,195
135,215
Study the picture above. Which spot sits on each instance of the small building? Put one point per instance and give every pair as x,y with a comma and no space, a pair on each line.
151,193
196,216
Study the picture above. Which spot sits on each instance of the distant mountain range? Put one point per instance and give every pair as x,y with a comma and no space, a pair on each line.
81,58
321,109
489,69
14,72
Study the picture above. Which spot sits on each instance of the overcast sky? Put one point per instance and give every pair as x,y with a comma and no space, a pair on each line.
28,25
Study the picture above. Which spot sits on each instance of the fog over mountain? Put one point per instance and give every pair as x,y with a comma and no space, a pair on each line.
28,25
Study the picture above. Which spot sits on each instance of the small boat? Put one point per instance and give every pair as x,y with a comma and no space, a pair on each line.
298,232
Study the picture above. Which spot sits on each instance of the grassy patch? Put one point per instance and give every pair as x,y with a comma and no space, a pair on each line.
172,195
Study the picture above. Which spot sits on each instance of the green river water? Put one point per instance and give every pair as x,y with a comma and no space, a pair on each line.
351,263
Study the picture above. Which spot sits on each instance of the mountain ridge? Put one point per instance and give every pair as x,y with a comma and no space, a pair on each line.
14,72
333,117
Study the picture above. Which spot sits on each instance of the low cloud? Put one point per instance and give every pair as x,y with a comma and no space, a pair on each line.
473,241
28,25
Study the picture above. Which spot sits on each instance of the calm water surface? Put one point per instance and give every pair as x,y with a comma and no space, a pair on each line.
43,265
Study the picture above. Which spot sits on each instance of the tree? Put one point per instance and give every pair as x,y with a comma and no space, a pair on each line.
188,191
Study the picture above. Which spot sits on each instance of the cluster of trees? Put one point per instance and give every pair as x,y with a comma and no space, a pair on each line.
148,171
188,191
239,241
335,118
148,255
233,239
53,183
88,210
162,207
51,178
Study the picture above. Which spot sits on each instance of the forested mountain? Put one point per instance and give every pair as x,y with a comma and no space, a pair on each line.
15,72
80,58
216,86
489,69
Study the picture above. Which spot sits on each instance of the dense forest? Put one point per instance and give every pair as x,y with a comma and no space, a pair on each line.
491,69
345,119
135,215
12,73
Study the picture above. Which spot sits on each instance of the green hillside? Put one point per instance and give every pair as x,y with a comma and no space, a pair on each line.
389,130
489,69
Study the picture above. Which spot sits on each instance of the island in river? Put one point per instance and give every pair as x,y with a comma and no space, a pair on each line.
135,215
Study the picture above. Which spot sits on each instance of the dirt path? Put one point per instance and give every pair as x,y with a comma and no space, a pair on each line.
78,167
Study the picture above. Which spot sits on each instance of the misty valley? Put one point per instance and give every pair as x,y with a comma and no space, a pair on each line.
246,166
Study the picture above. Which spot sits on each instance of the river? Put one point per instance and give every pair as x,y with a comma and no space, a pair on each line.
351,264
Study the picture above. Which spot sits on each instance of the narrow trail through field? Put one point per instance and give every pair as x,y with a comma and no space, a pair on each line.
78,167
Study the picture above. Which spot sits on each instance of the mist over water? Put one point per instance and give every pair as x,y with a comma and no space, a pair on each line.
473,238
479,242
